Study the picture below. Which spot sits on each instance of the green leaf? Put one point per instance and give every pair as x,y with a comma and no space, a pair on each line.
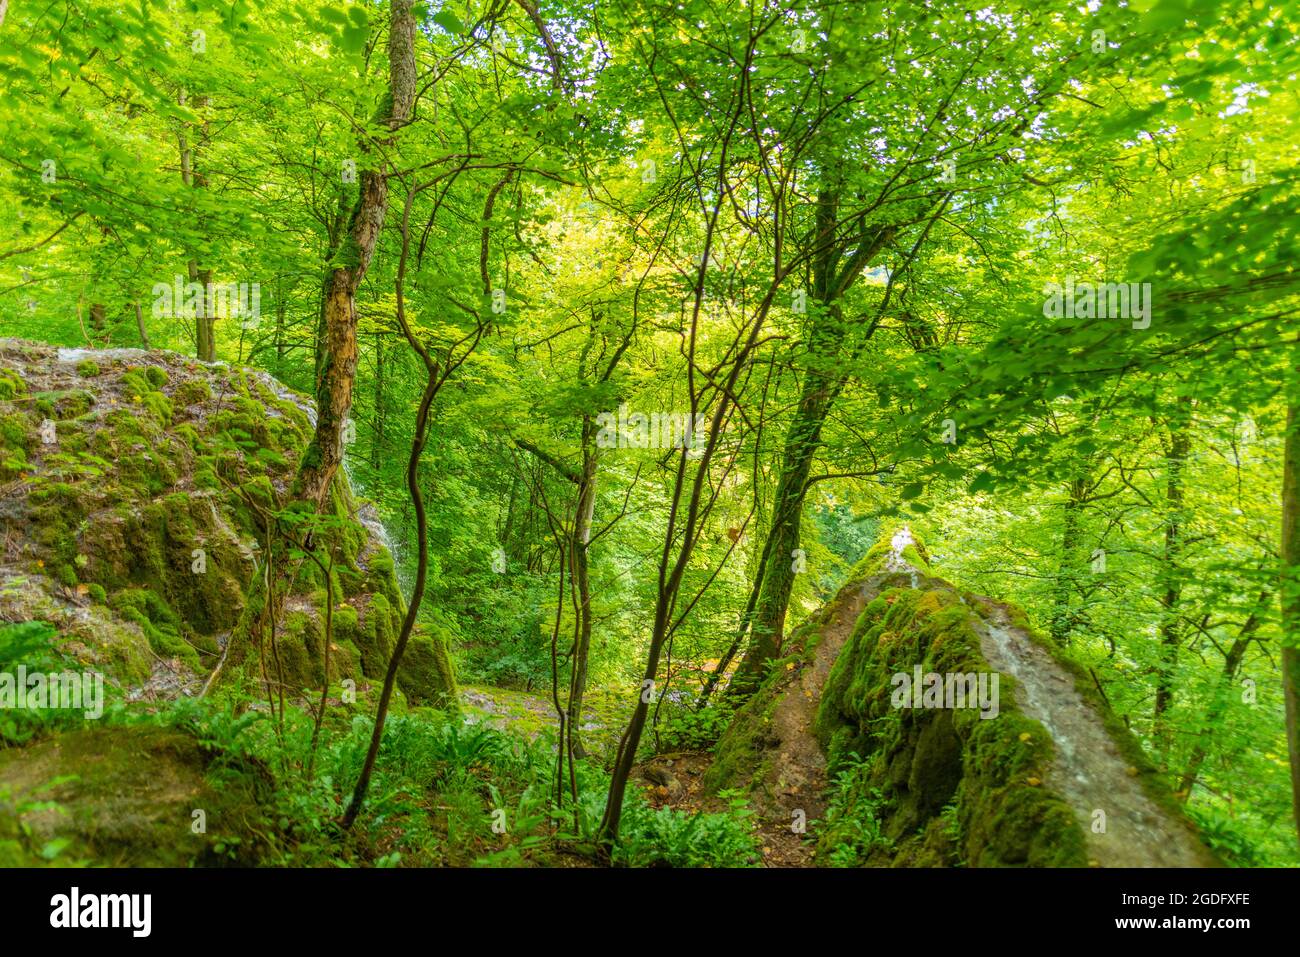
449,22
354,37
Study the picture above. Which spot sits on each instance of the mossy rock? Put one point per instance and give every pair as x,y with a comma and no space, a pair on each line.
924,758
163,466
11,384
425,674
127,797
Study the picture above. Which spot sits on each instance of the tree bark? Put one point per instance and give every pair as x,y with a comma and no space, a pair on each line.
338,373
583,512
767,630
140,327
835,269
1290,592
1170,633
1062,623
204,321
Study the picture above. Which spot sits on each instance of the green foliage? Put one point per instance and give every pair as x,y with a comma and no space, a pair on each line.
868,326
666,837
689,729
853,828
31,645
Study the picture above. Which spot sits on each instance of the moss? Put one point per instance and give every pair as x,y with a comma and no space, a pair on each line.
142,385
16,441
174,464
298,653
57,510
742,755
921,760
159,622
11,384
426,674
87,368
376,637
126,796
246,426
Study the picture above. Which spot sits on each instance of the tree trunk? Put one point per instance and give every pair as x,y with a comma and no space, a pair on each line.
1062,623
1170,633
281,313
140,327
204,321
583,512
338,373
1290,592
767,630
334,239
377,433
835,269
1218,704
98,322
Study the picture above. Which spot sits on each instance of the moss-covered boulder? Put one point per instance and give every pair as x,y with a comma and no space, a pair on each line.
141,522
949,734
425,673
925,750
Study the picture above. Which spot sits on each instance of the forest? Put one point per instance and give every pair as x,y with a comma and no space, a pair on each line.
649,433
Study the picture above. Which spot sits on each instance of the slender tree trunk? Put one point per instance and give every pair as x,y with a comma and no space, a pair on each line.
140,327
204,321
377,435
281,311
417,595
584,510
1170,632
338,373
1290,591
1067,568
98,322
1219,703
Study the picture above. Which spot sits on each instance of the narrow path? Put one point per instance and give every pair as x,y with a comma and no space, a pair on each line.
801,784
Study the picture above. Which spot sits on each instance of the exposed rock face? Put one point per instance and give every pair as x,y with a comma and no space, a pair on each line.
1039,773
135,490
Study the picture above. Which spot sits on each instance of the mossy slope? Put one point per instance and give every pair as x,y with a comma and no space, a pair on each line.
128,796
